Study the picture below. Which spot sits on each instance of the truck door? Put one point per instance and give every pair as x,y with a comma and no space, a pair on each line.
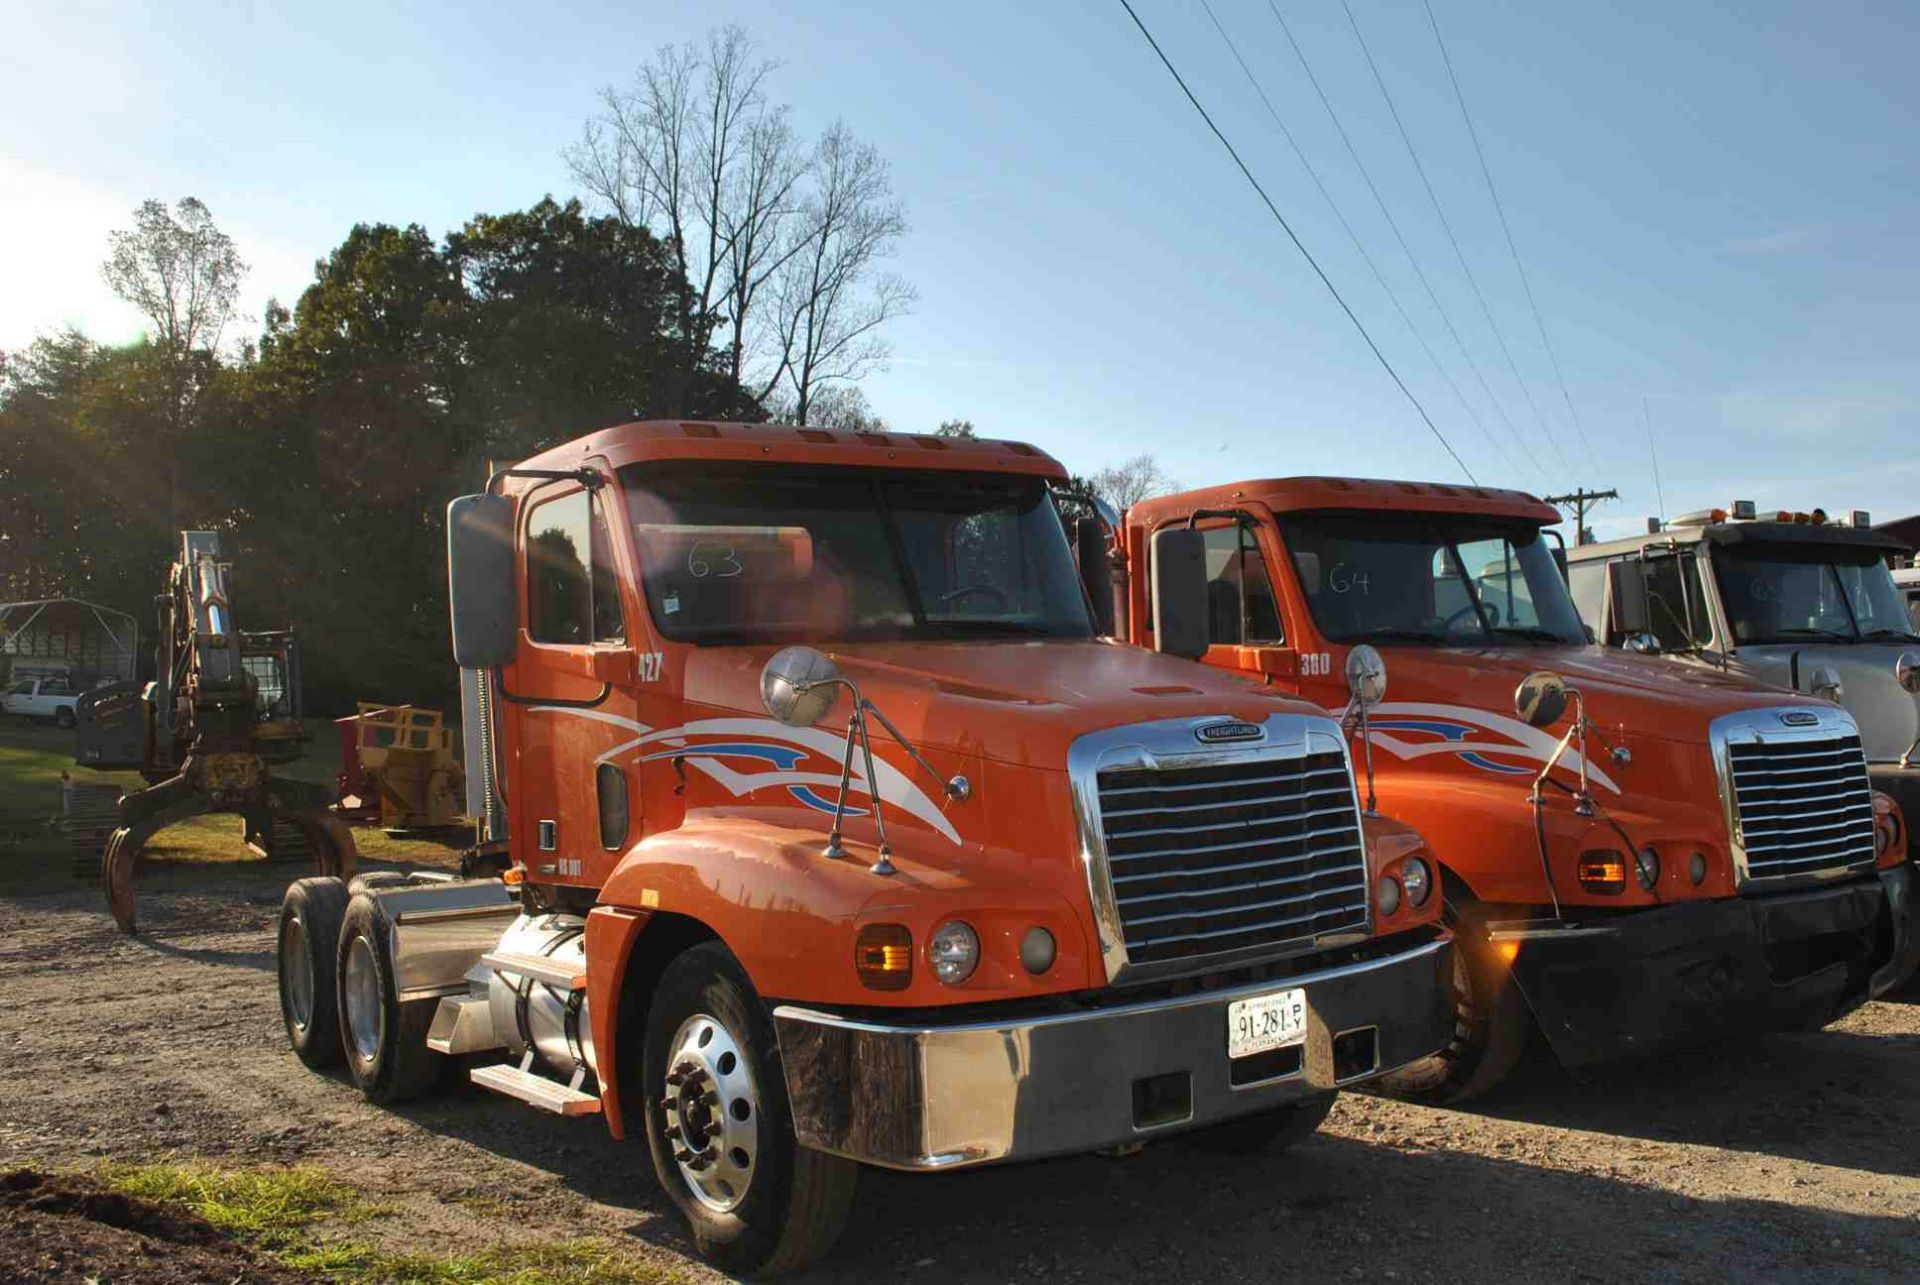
574,618
1244,626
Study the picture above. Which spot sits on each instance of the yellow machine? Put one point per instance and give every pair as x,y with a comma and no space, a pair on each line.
399,768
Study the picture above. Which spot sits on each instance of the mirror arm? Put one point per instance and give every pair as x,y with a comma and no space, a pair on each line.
957,788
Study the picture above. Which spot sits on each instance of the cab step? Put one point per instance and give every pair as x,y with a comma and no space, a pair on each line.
536,1090
539,968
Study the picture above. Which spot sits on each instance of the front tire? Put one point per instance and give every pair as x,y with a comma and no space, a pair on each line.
307,942
1490,1027
720,1128
385,1040
1266,1134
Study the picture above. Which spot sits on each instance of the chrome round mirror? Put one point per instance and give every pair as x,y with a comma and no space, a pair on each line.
1643,643
1541,698
1366,675
799,686
1824,682
1907,670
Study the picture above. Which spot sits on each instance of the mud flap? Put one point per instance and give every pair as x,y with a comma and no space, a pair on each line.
1642,981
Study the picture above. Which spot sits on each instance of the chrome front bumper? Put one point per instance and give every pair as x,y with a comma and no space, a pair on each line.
941,1097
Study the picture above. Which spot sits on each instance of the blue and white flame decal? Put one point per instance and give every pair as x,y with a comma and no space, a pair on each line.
747,755
1491,742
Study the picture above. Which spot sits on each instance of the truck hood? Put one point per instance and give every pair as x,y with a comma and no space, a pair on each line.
1888,716
1016,702
1647,695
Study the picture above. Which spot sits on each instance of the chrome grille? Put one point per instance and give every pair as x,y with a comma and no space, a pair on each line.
1804,806
1232,856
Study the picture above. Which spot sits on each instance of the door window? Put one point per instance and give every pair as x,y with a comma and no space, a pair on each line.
571,591
1676,611
1588,583
1241,607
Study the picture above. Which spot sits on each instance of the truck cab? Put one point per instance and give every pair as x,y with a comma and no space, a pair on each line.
820,830
1633,854
1789,599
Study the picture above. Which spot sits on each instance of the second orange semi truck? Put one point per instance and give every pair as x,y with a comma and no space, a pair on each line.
823,831
1632,854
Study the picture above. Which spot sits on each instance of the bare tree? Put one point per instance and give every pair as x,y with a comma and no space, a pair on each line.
962,428
1131,481
183,274
841,406
829,304
776,245
693,152
180,271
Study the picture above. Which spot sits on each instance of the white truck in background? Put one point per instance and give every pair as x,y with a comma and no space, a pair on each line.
48,699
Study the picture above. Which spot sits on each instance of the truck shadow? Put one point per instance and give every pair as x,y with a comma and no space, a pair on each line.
1340,1208
1819,1096
1335,1207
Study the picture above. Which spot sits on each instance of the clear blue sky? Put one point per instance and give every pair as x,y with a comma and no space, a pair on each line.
1718,207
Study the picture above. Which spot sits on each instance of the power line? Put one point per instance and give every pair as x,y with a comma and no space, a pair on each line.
1353,236
1406,249
1286,227
1460,254
1501,210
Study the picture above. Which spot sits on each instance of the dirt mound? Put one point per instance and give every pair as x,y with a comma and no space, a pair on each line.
65,1229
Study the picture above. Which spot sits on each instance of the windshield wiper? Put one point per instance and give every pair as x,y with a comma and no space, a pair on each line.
1813,632
1399,633
1885,632
977,625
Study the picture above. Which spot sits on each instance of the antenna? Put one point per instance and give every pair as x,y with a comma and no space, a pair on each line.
1653,450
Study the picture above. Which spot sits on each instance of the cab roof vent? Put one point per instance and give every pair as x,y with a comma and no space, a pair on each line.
700,430
1020,448
929,443
816,435
875,439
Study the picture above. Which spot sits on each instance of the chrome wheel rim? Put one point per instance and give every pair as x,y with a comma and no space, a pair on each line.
296,968
360,992
712,1113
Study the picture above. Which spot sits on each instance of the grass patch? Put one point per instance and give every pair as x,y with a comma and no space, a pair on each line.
31,761
286,1213
270,1209
571,1262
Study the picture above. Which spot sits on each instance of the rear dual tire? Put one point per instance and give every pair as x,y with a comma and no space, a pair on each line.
308,943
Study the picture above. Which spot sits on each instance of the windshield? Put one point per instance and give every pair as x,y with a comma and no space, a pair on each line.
1788,594
1437,580
737,553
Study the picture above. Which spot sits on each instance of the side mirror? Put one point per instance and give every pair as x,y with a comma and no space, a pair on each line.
1906,671
1643,644
1180,593
480,581
799,686
1366,676
1090,552
1541,698
1629,598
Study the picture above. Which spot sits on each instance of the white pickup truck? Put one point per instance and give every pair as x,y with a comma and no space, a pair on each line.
41,699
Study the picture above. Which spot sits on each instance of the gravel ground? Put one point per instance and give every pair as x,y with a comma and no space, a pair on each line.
1792,1158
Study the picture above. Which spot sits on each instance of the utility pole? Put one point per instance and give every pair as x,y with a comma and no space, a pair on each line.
1581,499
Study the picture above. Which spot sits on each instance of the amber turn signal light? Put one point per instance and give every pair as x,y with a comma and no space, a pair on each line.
1603,872
883,956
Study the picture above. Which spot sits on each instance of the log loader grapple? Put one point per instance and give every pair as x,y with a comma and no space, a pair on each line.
207,732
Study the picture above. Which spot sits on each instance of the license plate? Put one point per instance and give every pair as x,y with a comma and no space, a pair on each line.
1266,1022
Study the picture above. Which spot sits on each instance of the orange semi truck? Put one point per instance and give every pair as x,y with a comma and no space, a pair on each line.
821,830
1631,854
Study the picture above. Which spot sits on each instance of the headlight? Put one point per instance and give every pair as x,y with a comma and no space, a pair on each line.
1418,881
953,951
1647,865
1389,895
1697,868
